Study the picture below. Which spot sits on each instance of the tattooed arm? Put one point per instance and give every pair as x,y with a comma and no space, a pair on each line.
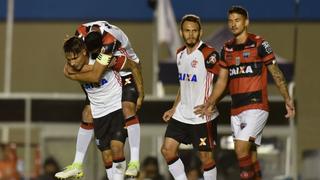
282,86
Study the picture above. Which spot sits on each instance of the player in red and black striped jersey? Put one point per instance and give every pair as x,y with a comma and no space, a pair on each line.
244,63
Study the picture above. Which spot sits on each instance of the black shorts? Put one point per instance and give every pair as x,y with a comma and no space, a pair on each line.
201,136
129,89
109,127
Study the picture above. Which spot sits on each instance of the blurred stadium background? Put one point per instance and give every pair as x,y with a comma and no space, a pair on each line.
40,110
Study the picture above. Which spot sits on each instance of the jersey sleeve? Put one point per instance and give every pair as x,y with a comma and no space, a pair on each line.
211,62
110,44
117,62
81,31
222,61
266,53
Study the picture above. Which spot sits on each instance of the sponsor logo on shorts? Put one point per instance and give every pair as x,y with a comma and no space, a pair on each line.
127,81
203,141
243,125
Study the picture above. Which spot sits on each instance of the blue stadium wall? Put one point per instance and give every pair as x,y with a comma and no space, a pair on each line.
139,10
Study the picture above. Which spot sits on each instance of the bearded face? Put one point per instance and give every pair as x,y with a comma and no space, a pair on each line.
190,33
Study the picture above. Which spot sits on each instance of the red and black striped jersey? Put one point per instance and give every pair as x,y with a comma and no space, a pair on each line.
247,64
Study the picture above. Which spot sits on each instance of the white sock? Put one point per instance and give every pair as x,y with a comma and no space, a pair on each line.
83,141
109,173
118,169
177,170
134,141
211,174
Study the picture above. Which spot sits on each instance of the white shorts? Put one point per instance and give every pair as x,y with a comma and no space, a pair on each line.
248,125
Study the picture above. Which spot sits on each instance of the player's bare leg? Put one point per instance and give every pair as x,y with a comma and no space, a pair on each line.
119,161
133,128
85,132
244,156
208,164
255,161
107,160
169,151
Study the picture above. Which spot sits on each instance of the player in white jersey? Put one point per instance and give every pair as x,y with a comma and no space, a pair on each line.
105,101
198,67
115,42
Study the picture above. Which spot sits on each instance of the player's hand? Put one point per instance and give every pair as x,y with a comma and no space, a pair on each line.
168,114
87,68
139,102
290,109
205,109
69,72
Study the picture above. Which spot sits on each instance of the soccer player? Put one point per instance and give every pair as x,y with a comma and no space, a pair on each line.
198,67
102,36
245,60
105,100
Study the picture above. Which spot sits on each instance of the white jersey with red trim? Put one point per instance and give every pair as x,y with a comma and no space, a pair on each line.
195,85
105,96
112,33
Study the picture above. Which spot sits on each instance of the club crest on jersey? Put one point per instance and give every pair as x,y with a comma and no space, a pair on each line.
95,85
240,70
212,59
246,55
194,63
188,77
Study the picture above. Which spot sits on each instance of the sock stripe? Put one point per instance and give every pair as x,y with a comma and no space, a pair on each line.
87,126
257,170
245,161
132,120
173,160
119,160
108,165
209,166
246,168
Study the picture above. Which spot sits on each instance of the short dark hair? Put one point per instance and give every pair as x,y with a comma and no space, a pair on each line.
192,18
93,41
239,10
74,45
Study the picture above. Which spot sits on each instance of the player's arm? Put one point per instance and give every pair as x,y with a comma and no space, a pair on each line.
177,100
219,87
215,96
137,76
266,53
282,86
169,113
95,73
67,70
